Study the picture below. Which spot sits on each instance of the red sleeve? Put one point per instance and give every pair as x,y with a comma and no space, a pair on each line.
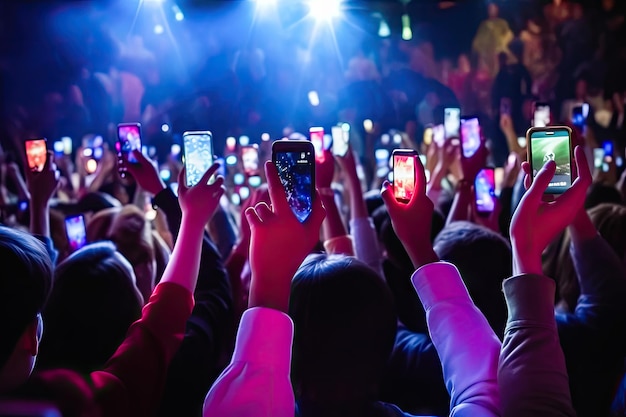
132,381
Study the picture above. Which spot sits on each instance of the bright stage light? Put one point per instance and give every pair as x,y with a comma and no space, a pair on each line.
159,29
325,9
178,14
407,33
314,98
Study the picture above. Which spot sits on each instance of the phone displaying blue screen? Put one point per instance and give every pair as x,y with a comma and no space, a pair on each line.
295,163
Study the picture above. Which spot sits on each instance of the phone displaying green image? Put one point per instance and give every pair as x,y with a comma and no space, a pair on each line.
552,143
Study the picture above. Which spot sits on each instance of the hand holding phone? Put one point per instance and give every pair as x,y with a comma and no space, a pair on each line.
404,161
295,163
198,155
553,143
36,154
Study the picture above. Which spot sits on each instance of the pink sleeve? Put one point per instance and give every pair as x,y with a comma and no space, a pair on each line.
467,346
132,380
257,382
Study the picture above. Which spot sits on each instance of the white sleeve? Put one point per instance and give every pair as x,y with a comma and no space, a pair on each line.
366,243
467,346
256,383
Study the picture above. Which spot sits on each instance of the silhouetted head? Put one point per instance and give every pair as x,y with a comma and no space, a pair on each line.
24,289
484,259
93,302
345,327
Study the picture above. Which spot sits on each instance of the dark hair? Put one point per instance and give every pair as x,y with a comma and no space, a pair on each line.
599,193
484,260
24,290
345,327
92,304
96,201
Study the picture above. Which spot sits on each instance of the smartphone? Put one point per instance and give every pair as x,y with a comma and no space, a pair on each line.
470,135
579,115
36,153
404,161
382,162
295,162
439,136
427,137
551,143
316,135
505,106
598,158
250,159
485,191
129,139
58,148
341,140
541,115
76,231
197,154
451,122
67,145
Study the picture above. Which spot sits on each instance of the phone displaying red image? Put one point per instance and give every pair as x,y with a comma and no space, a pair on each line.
36,154
404,161
485,191
250,159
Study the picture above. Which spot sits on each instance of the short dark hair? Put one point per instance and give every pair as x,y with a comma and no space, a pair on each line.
484,259
345,326
24,291
92,304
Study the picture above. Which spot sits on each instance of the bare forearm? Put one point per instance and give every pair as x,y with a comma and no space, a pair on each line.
185,260
358,208
333,223
39,217
460,204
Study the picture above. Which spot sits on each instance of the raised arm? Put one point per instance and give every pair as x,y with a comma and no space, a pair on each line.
138,369
467,346
532,374
361,225
41,187
592,336
336,238
256,383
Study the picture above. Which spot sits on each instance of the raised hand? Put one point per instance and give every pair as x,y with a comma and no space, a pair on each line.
279,243
42,185
145,172
324,170
198,203
537,222
412,221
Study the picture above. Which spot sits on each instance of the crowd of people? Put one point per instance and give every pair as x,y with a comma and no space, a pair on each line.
217,300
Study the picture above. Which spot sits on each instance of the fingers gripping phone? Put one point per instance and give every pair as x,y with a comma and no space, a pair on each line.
36,154
295,162
76,231
404,161
551,143
197,154
485,191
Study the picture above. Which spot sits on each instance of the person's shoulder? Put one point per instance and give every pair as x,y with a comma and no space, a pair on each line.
67,390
